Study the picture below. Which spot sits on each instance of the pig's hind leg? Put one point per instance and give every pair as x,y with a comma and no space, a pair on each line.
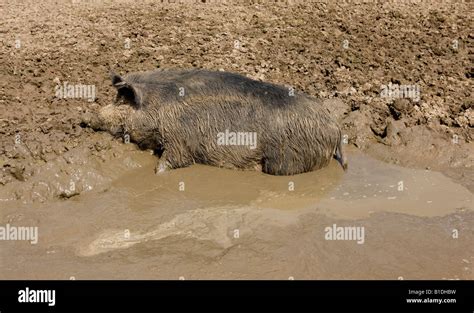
281,161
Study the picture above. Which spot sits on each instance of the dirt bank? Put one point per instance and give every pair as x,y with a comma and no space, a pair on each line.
304,46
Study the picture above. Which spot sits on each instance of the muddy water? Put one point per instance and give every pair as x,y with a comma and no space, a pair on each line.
208,223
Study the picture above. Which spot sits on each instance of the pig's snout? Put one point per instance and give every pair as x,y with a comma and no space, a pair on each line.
91,120
109,118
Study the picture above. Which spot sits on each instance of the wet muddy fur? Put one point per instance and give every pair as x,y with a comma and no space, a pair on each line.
181,114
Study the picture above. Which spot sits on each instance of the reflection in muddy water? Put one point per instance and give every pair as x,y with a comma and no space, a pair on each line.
209,223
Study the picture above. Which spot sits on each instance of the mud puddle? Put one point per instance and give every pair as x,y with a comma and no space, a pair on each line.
208,223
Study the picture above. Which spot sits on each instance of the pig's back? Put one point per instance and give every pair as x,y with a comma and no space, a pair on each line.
184,85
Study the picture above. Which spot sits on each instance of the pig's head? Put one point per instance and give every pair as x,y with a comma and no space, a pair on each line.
125,115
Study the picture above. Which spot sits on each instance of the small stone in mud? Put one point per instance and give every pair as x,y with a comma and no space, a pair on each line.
400,107
391,133
17,173
66,194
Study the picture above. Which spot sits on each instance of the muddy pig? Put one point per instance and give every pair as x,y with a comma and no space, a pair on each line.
221,119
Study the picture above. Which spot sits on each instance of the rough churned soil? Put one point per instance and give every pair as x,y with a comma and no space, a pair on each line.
342,52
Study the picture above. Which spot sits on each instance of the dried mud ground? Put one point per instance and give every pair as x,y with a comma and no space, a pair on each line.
83,189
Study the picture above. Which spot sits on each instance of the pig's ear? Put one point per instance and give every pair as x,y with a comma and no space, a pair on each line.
115,78
131,93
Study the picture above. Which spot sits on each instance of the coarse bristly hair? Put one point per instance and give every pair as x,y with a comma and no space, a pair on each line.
181,112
